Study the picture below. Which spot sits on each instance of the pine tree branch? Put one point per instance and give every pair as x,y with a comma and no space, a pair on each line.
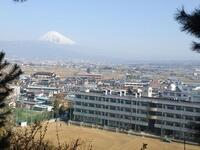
4,65
2,54
13,74
196,47
8,74
190,23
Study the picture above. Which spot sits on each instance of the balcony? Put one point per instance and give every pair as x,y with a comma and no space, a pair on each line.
152,117
153,109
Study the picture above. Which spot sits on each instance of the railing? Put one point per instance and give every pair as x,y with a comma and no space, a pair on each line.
129,132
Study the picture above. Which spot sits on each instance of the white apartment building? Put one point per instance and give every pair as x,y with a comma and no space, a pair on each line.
132,112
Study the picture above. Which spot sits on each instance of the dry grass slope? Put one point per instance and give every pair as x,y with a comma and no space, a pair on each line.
104,140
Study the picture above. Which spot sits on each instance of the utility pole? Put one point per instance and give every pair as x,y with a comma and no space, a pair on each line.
184,141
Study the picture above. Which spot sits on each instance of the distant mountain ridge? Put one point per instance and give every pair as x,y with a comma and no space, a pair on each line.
49,50
57,38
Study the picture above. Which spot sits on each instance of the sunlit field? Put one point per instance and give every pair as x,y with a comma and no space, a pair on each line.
105,140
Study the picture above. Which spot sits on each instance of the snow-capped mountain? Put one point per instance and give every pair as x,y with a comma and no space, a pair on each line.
57,38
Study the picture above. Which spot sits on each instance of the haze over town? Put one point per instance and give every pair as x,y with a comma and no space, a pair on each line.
115,31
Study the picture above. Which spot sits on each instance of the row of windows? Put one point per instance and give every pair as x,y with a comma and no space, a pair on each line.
197,118
175,124
177,116
129,102
112,100
111,115
131,110
170,115
105,107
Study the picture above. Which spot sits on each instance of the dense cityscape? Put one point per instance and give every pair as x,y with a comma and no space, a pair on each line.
155,99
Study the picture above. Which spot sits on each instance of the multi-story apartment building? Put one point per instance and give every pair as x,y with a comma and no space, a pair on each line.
133,112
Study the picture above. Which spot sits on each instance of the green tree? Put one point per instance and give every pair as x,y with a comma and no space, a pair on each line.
56,108
8,73
62,110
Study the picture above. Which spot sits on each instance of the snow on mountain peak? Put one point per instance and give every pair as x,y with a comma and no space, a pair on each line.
55,37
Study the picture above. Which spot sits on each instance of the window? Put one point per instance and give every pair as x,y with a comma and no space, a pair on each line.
177,124
127,110
159,106
78,96
103,99
197,109
112,108
197,118
78,110
178,116
91,97
190,109
170,107
170,115
118,108
78,103
188,126
188,117
169,123
117,115
85,104
98,106
91,112
143,119
113,100
179,108
99,98
105,106
127,102
112,115
145,104
97,112
134,102
91,105
84,111
127,117
158,122
134,110
152,113
159,113
143,112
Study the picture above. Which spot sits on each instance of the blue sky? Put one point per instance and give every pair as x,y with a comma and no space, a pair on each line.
138,29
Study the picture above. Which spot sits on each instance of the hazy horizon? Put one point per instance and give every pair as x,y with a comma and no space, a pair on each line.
125,31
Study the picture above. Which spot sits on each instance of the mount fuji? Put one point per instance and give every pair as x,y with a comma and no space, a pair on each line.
51,45
57,38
